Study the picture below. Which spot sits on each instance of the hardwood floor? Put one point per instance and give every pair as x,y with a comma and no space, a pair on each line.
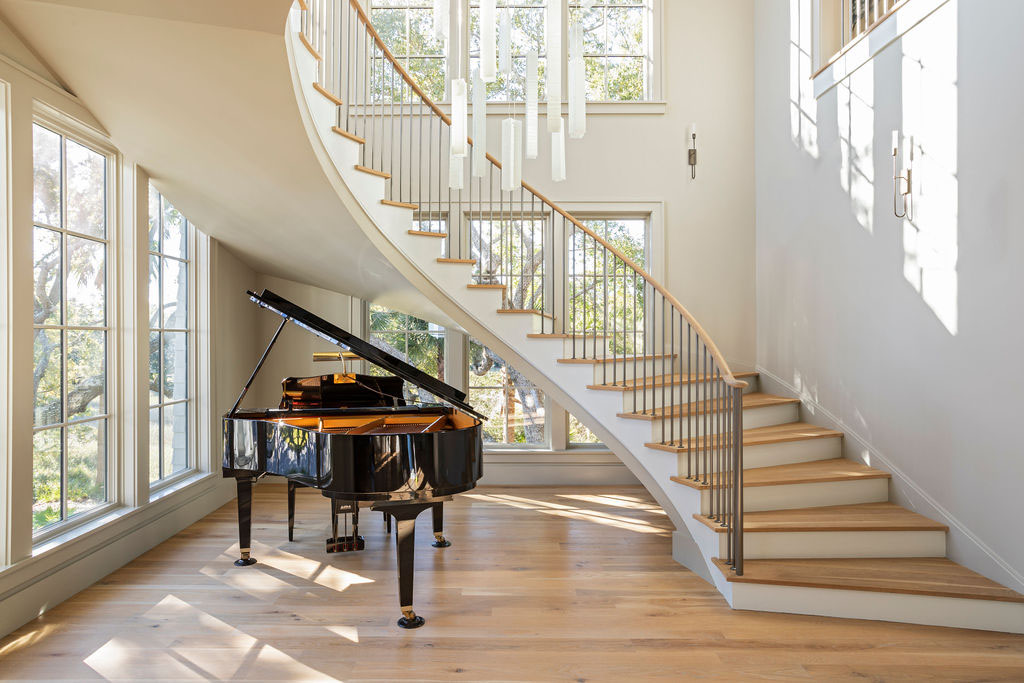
539,584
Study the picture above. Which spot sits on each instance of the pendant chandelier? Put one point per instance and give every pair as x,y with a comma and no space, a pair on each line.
519,136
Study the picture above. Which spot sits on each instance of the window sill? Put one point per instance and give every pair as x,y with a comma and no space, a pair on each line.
63,549
864,49
647,108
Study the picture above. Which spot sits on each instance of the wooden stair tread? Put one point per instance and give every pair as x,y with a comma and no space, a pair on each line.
526,310
476,286
562,335
858,517
401,205
750,402
615,359
660,380
427,233
351,136
936,576
781,433
373,171
467,261
814,472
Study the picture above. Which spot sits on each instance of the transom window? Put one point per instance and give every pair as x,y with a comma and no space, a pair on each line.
170,339
71,326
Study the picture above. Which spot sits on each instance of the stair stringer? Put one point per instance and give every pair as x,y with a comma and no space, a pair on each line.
444,284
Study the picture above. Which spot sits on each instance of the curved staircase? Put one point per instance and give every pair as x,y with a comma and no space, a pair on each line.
815,533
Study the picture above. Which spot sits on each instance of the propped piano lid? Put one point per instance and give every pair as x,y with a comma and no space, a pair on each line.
362,348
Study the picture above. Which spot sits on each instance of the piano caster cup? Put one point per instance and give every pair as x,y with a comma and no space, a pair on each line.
410,619
245,560
441,542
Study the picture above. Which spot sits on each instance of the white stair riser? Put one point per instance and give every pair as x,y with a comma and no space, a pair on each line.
588,346
817,544
769,455
618,370
673,394
805,495
988,615
752,418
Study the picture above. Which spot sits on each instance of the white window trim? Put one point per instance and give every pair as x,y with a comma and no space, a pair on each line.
6,280
71,129
833,70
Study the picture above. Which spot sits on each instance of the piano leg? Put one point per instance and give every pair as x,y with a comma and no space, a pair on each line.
439,540
387,523
405,523
244,521
291,511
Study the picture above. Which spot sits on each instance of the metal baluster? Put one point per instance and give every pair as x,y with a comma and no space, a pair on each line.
738,481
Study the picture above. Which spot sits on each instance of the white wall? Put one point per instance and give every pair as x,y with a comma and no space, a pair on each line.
709,222
907,334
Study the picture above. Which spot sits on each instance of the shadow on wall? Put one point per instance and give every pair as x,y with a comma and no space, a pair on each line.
926,84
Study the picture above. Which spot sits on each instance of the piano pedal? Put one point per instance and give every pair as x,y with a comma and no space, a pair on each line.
345,544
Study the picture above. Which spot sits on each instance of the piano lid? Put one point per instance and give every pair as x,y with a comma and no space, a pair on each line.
349,342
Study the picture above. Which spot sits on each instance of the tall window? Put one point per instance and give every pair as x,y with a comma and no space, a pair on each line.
515,408
413,340
71,418
170,338
406,27
617,49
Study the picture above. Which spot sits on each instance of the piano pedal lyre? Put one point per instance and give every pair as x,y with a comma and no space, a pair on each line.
345,543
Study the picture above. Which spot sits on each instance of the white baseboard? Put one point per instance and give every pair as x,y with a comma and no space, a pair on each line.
30,588
555,468
973,552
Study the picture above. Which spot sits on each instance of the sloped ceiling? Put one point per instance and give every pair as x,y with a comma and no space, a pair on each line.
199,93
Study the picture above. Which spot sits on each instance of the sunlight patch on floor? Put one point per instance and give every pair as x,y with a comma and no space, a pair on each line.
572,512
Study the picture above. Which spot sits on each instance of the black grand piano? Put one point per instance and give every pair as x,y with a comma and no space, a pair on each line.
357,439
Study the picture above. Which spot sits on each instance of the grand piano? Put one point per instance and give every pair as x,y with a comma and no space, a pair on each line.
357,439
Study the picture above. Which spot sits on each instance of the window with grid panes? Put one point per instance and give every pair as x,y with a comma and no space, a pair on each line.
515,407
413,340
71,328
617,49
527,21
406,27
170,339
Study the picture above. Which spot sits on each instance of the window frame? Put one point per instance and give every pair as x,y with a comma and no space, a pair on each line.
653,102
192,337
70,129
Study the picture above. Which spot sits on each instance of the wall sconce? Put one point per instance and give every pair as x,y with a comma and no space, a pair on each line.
691,141
903,185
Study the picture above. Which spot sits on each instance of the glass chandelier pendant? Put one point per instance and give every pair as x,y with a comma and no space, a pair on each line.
531,104
558,152
553,47
458,133
508,154
479,125
456,172
505,43
577,83
517,143
488,49
441,19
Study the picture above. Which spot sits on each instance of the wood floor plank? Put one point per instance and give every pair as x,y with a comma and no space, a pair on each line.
539,584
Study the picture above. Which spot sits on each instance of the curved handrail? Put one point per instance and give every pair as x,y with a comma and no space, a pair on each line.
719,359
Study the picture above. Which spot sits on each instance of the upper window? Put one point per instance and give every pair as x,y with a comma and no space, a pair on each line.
406,27
841,22
616,48
71,248
170,339
526,18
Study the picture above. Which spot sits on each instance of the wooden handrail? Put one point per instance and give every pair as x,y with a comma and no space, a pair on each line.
719,359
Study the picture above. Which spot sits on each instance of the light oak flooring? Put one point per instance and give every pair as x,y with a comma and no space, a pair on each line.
539,584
